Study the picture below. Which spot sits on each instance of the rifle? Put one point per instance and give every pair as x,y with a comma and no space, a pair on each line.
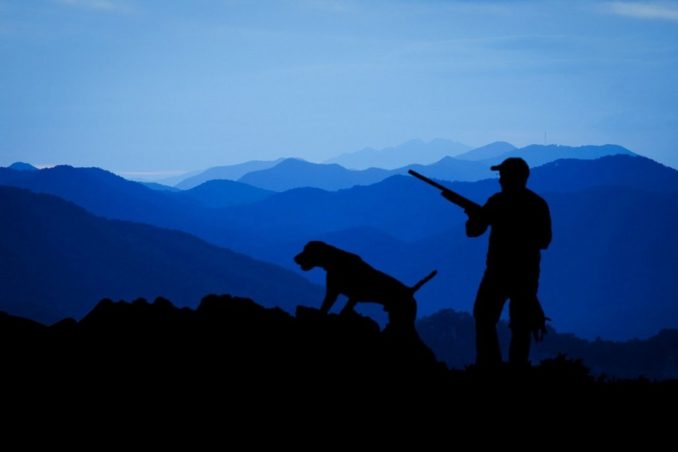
456,198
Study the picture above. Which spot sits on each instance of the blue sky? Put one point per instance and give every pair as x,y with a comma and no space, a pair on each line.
164,86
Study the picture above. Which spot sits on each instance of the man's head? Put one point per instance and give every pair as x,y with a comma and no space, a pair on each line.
513,173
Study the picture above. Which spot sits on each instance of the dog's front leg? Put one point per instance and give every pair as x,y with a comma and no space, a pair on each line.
349,307
330,297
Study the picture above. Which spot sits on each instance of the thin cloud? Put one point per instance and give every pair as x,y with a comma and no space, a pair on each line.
110,6
643,10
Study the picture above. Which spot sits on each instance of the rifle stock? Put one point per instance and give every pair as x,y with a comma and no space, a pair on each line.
450,195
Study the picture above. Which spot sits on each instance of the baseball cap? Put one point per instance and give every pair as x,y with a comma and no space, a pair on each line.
513,165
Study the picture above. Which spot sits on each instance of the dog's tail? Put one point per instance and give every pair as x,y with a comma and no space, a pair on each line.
423,281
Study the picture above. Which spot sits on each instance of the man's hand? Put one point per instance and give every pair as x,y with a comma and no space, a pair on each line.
472,211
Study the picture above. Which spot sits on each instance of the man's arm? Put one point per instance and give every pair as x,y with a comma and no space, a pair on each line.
477,222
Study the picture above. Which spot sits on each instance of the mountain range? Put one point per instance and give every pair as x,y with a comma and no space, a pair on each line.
537,155
295,173
627,213
489,151
21,166
607,273
230,172
57,260
223,193
413,151
474,165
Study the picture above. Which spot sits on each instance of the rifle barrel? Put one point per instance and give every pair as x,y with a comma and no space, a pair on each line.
427,180
452,196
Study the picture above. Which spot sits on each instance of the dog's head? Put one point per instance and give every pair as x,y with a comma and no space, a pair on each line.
313,255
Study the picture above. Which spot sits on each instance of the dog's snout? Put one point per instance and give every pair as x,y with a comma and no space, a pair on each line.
303,260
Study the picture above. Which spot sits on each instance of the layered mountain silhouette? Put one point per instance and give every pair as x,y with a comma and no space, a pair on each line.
537,154
295,173
594,226
100,192
225,193
21,166
229,172
487,152
413,151
159,187
569,175
107,195
607,273
452,169
409,210
57,260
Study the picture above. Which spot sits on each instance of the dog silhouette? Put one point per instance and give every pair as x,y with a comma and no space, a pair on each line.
349,275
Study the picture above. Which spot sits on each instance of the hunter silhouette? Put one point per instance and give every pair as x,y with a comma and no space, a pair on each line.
521,228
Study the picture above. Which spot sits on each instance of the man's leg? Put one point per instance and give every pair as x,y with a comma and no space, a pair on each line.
486,312
526,316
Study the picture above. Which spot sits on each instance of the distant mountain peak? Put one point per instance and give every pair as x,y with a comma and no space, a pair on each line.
229,172
539,154
22,166
294,161
415,151
605,149
487,151
296,173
